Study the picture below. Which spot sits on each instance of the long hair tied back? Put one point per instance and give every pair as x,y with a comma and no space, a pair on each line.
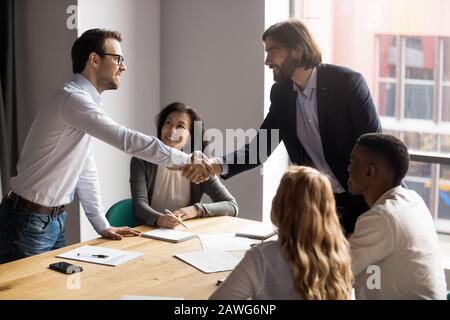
310,235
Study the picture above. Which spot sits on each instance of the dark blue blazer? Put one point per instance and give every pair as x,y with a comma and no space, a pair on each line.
345,112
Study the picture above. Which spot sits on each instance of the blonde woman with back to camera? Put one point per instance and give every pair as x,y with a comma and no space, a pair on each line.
310,259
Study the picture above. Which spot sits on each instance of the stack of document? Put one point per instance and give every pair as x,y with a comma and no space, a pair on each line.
100,255
216,256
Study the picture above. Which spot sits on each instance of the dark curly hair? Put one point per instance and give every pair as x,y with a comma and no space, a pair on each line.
389,148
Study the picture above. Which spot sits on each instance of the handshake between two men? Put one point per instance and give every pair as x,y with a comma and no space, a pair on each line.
197,170
200,168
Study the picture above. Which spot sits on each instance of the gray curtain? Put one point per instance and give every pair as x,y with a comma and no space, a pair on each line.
8,99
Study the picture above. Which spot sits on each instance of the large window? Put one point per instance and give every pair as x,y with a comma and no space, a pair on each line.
410,69
387,79
412,91
403,50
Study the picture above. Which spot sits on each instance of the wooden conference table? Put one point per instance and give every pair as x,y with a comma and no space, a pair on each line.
156,273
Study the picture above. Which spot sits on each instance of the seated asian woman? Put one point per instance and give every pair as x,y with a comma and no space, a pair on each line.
156,188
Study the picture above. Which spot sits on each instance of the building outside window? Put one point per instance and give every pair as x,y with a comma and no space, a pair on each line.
403,50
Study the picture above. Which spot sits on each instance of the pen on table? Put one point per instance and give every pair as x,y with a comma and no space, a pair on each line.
95,255
171,213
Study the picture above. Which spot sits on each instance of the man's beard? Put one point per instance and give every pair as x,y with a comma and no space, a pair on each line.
285,70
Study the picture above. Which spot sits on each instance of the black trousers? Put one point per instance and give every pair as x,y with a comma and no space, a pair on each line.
349,208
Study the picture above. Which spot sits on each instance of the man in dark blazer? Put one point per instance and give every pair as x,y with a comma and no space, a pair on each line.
319,110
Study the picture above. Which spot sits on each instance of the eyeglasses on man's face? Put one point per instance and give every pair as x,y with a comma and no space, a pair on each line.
118,58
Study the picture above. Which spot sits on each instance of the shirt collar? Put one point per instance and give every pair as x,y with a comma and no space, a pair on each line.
387,194
87,86
310,86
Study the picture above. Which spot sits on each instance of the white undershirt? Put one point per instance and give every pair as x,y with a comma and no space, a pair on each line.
171,191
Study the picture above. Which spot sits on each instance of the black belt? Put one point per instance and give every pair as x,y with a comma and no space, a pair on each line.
18,201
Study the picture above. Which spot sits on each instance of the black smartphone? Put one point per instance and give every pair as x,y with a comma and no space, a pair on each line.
65,267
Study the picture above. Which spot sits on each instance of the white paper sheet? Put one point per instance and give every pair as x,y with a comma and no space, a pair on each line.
225,242
88,254
209,261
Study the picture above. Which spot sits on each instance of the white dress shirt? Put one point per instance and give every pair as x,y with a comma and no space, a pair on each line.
395,250
172,191
57,158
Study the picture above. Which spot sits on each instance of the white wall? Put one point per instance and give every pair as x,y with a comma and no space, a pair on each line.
137,101
213,59
276,165
43,64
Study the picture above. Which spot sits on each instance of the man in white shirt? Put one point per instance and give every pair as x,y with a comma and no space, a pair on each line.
57,159
395,249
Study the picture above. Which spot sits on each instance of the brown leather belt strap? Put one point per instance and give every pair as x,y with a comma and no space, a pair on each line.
18,201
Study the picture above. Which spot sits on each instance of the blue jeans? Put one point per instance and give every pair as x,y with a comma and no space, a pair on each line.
25,233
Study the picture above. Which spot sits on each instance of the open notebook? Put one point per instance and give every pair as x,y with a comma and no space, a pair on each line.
170,235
